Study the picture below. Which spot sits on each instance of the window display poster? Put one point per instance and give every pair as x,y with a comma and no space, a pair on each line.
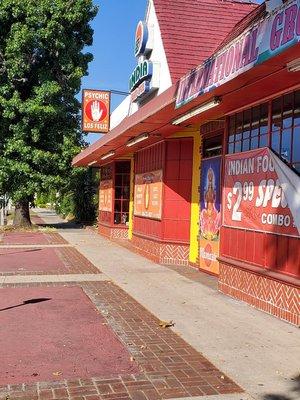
105,195
210,214
148,194
261,193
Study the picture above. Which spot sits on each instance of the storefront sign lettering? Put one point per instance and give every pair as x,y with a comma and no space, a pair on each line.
261,193
141,72
285,26
260,42
148,195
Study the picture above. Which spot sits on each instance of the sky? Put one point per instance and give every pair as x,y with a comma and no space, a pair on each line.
114,31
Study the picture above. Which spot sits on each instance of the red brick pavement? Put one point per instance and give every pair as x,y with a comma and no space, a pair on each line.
44,260
36,219
57,334
31,238
169,366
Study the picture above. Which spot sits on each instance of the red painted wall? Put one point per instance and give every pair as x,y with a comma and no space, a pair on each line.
178,189
147,160
106,217
274,252
175,157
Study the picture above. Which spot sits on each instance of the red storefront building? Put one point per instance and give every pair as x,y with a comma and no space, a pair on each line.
202,168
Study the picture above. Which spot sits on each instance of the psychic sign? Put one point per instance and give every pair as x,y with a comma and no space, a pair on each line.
261,193
148,195
95,111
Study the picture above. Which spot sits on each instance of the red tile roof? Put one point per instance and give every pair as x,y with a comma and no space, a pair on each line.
193,29
249,20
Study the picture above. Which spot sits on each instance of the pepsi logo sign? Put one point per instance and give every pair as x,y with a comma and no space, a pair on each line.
141,38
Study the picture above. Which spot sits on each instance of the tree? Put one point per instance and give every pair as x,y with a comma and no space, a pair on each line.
42,61
79,197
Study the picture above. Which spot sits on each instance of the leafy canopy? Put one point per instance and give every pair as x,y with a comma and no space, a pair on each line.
42,61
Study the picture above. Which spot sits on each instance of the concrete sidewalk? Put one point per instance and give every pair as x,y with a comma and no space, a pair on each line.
258,351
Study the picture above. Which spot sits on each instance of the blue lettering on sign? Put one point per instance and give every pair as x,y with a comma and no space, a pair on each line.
141,72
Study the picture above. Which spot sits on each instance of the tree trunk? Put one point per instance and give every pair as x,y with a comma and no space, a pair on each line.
22,215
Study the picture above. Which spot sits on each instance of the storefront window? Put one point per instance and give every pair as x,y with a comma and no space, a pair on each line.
263,130
276,114
248,130
296,148
287,111
285,128
212,146
122,193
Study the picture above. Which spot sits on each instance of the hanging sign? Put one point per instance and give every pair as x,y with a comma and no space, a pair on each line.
210,215
105,195
95,111
148,195
261,193
262,41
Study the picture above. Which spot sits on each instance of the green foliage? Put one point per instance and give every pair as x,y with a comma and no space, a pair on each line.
79,197
42,61
43,199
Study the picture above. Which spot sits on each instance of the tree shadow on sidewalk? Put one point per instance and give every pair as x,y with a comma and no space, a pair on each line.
19,251
64,225
294,392
61,225
25,302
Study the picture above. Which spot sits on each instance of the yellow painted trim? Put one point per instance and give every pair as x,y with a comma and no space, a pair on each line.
130,222
189,132
195,199
127,157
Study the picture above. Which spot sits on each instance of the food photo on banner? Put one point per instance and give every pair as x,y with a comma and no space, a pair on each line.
210,214
261,193
105,195
148,195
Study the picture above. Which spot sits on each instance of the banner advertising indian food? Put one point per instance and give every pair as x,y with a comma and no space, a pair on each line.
105,195
148,194
95,111
261,193
210,214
